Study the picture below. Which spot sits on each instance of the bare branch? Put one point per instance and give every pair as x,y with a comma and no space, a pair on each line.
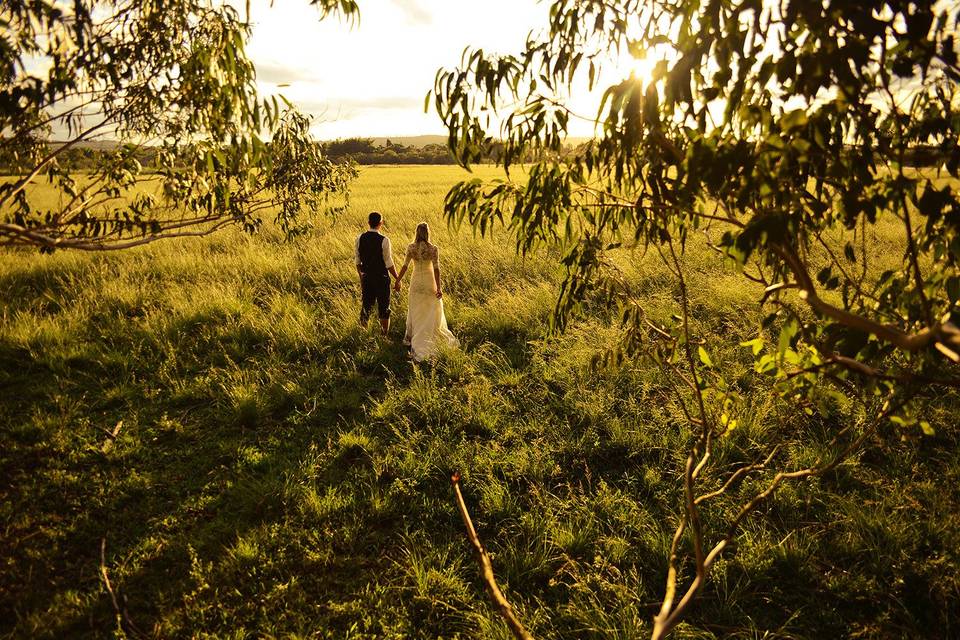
486,567
667,619
111,436
737,475
18,234
123,618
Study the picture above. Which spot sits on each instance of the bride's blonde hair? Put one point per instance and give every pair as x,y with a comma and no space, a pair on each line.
423,233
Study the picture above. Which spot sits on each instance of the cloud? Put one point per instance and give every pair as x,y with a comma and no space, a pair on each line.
370,79
278,73
346,104
414,12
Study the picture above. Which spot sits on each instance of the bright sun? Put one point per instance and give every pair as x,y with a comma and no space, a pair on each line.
641,68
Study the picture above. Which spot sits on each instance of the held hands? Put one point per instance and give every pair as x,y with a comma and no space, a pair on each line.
396,287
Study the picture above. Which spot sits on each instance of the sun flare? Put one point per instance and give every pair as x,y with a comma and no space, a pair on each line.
640,68
645,66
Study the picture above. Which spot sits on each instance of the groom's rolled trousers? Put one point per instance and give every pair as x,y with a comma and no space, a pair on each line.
374,257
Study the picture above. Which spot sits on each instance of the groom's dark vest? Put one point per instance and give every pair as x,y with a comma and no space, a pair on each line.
371,254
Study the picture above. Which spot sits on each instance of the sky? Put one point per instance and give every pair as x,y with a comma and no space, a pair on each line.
369,77
370,80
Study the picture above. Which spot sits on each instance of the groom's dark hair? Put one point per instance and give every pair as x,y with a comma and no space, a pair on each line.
374,219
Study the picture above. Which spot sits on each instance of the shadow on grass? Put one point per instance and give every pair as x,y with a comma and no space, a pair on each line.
216,428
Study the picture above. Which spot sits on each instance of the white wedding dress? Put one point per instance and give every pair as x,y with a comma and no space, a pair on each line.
427,330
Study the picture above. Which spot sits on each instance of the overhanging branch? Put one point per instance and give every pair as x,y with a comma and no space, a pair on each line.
945,335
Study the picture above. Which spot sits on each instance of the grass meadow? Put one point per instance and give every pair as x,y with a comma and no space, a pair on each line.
281,473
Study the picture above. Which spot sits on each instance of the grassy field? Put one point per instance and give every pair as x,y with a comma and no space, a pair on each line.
280,472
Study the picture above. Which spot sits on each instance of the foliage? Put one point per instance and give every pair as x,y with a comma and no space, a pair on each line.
781,132
169,78
281,473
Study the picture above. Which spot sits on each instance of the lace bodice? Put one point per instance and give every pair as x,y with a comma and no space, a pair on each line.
423,251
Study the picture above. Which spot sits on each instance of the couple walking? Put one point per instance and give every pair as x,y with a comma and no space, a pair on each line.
426,324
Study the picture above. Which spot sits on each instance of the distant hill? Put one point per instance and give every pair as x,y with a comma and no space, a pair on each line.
411,141
422,141
98,145
407,141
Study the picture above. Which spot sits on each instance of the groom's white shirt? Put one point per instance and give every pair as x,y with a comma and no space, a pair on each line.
385,245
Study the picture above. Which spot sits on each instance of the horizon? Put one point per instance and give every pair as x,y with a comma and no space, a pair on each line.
406,139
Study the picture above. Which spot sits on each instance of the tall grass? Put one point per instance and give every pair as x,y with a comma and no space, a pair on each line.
280,471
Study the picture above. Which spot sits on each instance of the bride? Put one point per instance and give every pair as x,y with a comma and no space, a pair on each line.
426,324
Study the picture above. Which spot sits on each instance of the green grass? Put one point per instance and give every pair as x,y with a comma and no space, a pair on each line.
282,473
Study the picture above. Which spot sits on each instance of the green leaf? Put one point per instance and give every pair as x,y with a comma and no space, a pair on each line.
704,357
728,423
787,333
848,252
755,345
933,201
824,275
953,289
793,120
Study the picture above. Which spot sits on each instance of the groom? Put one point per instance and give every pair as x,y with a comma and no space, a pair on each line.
374,257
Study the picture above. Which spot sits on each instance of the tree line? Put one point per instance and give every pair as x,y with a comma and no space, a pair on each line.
366,151
362,151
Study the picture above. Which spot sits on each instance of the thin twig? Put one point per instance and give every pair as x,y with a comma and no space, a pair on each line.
23,182
17,232
736,475
106,577
123,618
486,567
111,436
